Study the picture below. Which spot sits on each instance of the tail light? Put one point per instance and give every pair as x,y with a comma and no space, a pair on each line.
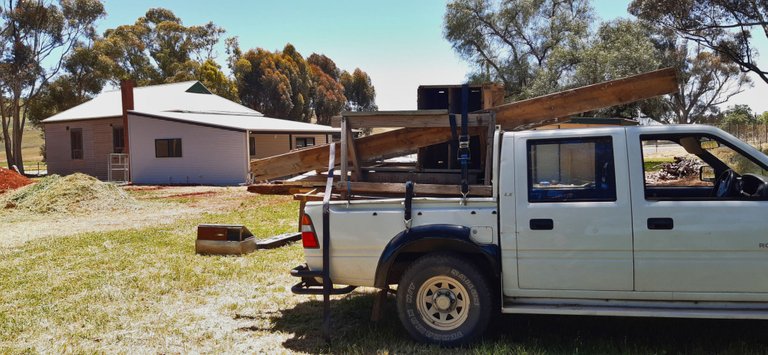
308,235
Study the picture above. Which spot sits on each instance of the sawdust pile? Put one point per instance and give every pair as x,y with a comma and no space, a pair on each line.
10,180
71,194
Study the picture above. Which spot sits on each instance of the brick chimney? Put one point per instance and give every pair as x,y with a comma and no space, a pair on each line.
126,92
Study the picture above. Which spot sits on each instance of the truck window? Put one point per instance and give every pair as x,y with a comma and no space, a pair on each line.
667,163
687,166
570,170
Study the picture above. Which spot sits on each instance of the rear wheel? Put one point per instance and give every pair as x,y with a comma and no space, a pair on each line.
444,299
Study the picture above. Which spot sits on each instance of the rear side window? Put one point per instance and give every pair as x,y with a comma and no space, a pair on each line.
570,170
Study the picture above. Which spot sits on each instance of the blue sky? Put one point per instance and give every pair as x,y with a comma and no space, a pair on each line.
398,42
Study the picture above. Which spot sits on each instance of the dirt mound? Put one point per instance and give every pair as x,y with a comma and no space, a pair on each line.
71,193
10,180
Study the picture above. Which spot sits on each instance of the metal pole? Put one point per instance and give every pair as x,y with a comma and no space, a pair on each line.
326,327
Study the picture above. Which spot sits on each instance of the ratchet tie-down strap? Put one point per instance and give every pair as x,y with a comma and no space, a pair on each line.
464,154
327,285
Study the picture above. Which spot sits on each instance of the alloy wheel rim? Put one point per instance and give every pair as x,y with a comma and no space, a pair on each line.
443,302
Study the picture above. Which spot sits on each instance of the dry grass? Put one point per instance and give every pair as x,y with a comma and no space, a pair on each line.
31,142
143,290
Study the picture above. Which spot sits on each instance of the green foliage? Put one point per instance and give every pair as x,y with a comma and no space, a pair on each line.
618,49
739,114
85,73
158,48
527,45
763,118
209,73
327,96
724,26
360,93
707,82
539,47
283,84
34,35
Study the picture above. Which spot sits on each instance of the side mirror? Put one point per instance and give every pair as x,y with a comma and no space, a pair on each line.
707,173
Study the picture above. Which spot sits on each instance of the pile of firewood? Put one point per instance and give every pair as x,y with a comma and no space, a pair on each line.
680,168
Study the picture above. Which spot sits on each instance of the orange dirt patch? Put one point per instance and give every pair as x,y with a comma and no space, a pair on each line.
10,180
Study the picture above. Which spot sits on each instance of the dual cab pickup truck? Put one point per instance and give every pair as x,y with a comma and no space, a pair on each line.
581,222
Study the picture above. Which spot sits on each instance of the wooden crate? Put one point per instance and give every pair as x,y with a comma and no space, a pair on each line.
224,239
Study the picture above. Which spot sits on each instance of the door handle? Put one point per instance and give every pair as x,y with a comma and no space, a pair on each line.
541,224
661,223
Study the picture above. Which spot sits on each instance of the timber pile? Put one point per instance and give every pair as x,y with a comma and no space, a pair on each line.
421,129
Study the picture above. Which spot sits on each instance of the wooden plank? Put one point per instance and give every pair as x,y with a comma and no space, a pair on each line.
378,146
400,119
418,189
357,173
493,95
278,240
587,98
279,189
489,150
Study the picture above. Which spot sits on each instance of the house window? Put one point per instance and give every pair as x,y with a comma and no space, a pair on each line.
303,142
252,146
76,143
168,148
118,140
566,170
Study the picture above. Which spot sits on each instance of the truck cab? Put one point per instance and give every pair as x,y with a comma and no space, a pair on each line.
661,221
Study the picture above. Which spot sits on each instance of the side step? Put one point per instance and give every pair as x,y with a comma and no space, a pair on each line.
310,286
660,312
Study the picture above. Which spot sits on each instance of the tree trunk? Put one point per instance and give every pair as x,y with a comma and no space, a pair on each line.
18,132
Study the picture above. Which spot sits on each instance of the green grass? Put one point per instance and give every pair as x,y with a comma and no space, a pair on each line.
31,142
146,291
654,163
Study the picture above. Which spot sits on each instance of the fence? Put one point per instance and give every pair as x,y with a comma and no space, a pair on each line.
755,134
37,168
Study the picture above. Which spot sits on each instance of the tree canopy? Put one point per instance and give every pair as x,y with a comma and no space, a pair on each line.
526,45
283,84
34,33
724,26
539,47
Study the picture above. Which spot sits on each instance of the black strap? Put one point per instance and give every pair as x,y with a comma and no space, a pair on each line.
454,136
407,216
464,155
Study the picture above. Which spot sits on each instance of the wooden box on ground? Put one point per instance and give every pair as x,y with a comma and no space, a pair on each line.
224,239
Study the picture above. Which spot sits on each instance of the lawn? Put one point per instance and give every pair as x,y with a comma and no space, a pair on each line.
144,290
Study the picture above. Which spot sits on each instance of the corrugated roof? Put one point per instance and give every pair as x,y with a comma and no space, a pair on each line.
187,96
246,122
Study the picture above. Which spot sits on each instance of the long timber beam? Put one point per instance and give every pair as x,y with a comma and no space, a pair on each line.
378,146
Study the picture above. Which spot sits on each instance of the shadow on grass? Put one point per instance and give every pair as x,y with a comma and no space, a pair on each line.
352,332
539,333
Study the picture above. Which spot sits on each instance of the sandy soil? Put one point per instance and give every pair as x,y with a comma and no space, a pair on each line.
158,205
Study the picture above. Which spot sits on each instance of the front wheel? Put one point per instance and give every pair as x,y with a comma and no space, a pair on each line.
444,299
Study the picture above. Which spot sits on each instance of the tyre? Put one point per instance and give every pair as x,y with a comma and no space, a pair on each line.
444,299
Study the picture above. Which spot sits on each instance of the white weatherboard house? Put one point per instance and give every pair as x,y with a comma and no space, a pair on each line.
176,134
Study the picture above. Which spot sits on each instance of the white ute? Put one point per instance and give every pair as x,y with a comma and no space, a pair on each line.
580,222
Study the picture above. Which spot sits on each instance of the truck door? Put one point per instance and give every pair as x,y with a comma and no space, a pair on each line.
688,237
573,210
